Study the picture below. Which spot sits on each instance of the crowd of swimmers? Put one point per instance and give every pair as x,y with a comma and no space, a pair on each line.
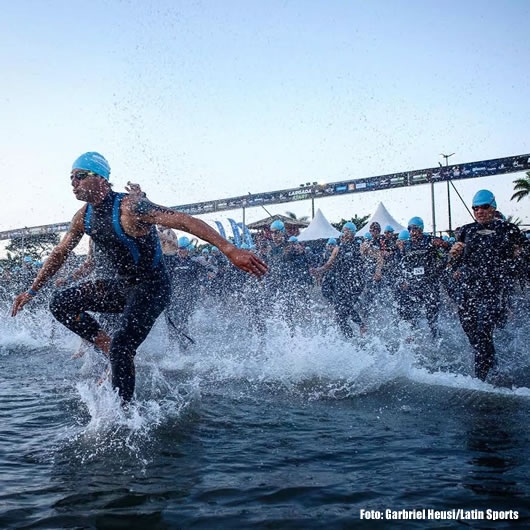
476,270
475,273
410,271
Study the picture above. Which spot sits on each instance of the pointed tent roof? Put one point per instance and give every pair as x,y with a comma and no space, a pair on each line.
319,228
381,216
287,221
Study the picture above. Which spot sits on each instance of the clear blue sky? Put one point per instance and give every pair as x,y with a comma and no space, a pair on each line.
200,100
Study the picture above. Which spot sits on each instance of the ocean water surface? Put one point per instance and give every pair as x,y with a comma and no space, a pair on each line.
295,429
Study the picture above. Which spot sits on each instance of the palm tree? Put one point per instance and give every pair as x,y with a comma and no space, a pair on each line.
522,187
359,222
514,220
292,216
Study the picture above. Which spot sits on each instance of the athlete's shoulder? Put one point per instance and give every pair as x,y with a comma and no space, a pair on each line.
470,226
514,233
465,230
78,218
511,227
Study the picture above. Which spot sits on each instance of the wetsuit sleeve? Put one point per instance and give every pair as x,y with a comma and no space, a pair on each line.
517,238
462,236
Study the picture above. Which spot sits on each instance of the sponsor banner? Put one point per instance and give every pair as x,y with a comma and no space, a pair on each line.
235,231
497,166
221,229
247,235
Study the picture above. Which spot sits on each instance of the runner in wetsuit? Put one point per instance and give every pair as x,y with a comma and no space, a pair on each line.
347,266
123,230
483,256
418,276
187,276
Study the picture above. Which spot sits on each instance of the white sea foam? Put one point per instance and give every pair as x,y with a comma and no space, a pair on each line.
315,361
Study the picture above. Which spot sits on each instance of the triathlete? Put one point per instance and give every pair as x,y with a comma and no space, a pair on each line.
419,276
484,252
347,266
124,230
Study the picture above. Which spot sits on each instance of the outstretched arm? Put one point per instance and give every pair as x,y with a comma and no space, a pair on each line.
150,213
54,262
331,260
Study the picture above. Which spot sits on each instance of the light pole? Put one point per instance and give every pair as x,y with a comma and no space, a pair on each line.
448,192
433,209
312,190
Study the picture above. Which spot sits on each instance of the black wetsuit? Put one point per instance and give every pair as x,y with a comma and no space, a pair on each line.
328,279
485,274
140,291
275,279
218,285
187,275
391,259
296,285
419,282
348,276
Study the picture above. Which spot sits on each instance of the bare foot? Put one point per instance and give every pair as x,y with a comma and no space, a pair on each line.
83,348
102,341
104,377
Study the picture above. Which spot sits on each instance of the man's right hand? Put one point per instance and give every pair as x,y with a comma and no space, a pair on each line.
134,189
247,261
457,249
20,301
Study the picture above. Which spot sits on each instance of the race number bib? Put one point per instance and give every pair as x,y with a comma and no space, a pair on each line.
418,271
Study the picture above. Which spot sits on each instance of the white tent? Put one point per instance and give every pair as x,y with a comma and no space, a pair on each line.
381,216
319,228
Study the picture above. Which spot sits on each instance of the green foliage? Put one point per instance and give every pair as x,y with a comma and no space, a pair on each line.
9,262
36,246
521,188
359,222
514,220
292,216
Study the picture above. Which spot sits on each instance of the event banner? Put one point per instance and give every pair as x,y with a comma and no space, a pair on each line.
484,168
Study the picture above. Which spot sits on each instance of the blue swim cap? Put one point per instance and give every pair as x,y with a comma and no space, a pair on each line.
93,162
445,238
368,236
349,226
404,235
277,226
293,239
245,246
205,251
215,249
389,228
183,242
331,241
483,197
28,259
416,221
452,240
